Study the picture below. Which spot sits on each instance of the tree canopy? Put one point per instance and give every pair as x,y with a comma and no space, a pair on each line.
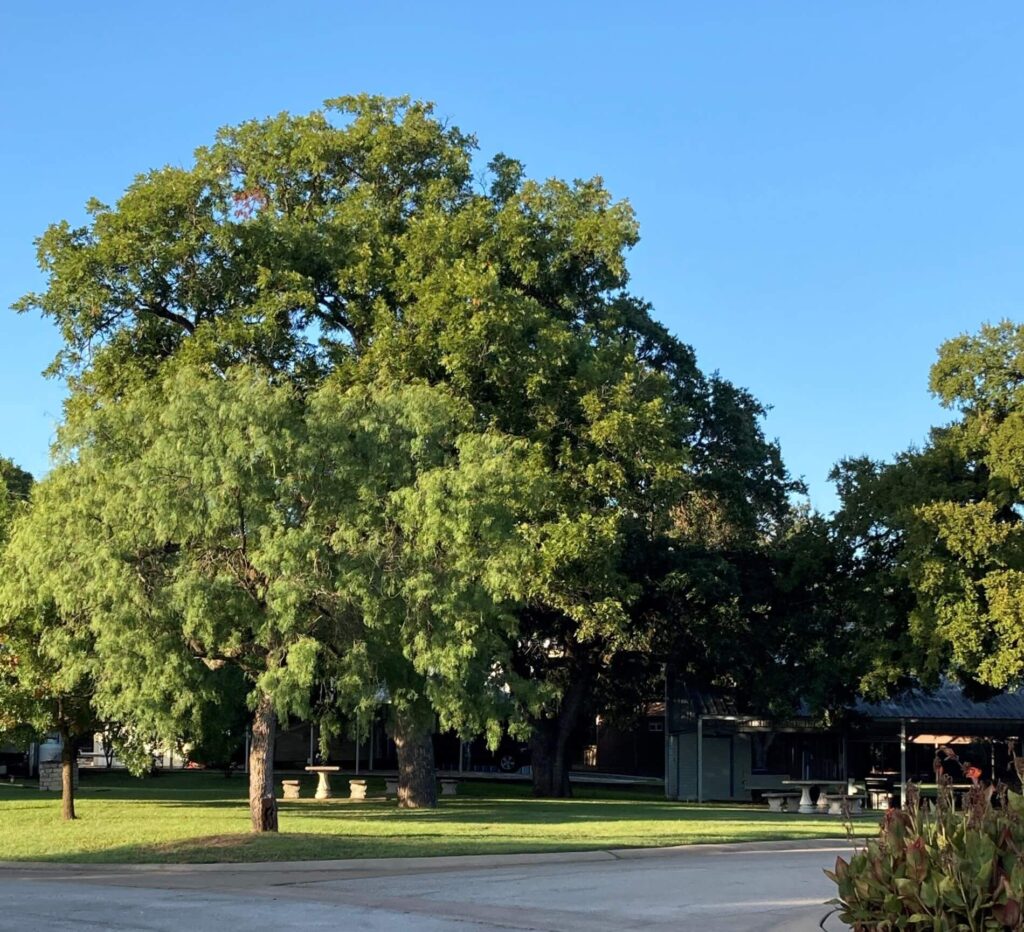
341,414
48,665
938,531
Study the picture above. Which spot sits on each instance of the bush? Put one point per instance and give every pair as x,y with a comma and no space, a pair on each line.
932,868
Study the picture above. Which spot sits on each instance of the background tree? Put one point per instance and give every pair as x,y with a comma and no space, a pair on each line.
217,738
47,671
517,300
971,583
937,532
16,484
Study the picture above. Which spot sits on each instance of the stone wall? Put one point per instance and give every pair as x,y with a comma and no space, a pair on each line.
49,776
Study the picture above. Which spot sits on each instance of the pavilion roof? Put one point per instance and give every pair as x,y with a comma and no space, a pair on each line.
947,703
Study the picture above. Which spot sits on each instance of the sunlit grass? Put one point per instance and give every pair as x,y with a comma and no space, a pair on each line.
197,817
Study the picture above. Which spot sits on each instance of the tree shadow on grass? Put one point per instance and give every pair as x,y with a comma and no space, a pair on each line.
245,847
299,846
526,812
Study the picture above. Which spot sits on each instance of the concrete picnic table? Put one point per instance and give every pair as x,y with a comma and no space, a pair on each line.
323,787
806,805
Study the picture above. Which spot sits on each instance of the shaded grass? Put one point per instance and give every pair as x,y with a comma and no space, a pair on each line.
200,817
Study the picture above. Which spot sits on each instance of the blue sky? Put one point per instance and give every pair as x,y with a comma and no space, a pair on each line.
825,191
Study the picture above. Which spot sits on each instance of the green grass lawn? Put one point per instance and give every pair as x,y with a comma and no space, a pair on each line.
200,817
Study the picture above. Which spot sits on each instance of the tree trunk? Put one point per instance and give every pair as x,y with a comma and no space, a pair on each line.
550,775
262,804
417,780
67,776
549,744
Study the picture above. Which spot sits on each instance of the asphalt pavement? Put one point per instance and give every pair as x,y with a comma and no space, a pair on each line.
767,887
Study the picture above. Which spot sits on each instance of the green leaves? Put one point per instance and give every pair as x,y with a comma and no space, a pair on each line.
937,533
48,669
341,419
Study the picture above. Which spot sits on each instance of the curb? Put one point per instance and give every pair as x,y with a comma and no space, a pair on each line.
443,862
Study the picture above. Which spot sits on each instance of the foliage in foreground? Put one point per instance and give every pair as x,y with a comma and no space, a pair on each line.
932,868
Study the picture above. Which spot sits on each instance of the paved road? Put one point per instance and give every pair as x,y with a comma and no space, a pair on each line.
722,888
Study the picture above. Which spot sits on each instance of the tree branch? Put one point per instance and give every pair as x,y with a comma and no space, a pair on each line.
164,313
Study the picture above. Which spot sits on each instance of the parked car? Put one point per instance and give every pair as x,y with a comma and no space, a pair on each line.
511,755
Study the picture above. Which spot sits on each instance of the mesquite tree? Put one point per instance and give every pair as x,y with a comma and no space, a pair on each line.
176,531
432,527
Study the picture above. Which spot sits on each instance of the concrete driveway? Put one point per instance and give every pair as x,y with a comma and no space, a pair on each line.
712,888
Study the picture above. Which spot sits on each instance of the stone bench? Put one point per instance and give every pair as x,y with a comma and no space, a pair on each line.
290,788
777,800
357,789
391,786
840,803
449,787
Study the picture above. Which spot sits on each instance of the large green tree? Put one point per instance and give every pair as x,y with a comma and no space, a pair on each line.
353,243
519,302
351,537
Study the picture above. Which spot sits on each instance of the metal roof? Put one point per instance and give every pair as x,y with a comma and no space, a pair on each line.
694,702
947,703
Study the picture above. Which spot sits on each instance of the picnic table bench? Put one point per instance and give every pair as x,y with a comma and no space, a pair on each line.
842,788
836,802
777,800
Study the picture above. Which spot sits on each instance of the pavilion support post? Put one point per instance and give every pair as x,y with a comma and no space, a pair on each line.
700,758
903,763
670,761
671,768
